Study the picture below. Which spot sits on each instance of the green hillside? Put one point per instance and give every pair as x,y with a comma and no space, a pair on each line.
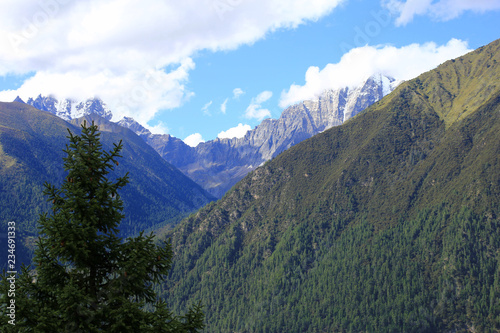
31,144
388,223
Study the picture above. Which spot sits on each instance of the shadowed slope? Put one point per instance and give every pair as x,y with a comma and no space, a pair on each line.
31,144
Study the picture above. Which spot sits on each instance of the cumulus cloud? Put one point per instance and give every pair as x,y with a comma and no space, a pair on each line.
255,110
235,132
358,64
104,47
237,92
441,10
193,140
137,93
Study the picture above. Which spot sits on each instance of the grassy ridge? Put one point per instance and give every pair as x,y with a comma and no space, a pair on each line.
389,222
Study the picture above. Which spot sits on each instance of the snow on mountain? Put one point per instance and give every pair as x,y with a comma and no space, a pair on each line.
218,164
68,109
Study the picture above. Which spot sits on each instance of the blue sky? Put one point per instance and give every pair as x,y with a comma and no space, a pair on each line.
200,68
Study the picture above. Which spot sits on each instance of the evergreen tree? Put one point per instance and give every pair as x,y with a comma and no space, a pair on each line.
87,279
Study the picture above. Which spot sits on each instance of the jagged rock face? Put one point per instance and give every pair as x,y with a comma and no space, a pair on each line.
68,109
229,160
219,164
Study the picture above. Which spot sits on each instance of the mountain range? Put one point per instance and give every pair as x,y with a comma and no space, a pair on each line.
384,220
387,223
219,164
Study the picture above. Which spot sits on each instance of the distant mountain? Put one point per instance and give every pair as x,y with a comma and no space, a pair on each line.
68,109
218,164
387,223
169,147
31,144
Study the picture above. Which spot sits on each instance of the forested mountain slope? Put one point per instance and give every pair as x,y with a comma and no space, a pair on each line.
388,223
31,151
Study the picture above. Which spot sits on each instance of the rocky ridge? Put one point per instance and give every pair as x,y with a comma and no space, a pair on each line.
219,164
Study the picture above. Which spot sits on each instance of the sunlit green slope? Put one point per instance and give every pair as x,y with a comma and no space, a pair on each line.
388,223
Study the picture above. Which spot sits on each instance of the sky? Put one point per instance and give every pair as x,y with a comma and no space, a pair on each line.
202,69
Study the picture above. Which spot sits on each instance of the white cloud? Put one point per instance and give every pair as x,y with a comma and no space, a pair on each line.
235,132
104,47
441,10
237,92
254,110
159,128
358,64
193,140
205,108
223,106
138,94
263,97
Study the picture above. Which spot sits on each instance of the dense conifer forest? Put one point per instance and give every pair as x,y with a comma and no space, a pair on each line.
388,223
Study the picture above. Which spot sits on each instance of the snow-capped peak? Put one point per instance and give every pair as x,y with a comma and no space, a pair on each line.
68,109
